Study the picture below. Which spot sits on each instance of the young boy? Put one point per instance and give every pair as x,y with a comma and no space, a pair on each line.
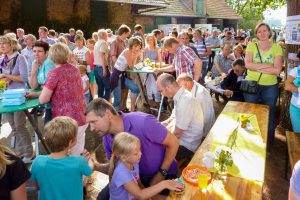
59,176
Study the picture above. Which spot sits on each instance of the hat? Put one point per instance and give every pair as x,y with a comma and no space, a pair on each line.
109,31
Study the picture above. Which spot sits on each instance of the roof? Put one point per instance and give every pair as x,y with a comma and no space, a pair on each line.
173,8
158,3
220,9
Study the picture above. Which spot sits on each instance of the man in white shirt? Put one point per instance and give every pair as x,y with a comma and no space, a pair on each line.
203,97
186,121
101,70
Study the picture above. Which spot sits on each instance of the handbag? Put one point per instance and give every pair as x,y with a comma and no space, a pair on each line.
250,86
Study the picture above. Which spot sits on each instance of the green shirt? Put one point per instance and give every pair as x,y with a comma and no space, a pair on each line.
267,57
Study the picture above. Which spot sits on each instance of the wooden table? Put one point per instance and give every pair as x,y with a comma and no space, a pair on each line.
234,187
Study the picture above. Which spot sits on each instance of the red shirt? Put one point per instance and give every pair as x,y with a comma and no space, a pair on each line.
92,61
67,98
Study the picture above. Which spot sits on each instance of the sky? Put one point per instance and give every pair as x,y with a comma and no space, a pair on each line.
279,14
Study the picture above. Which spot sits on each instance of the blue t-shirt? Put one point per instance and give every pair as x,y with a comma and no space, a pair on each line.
121,176
295,179
60,179
43,70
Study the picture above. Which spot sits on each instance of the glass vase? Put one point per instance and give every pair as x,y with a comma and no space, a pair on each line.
221,171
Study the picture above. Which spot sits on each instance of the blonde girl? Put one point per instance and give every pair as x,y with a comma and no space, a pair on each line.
153,52
124,176
85,83
237,52
12,187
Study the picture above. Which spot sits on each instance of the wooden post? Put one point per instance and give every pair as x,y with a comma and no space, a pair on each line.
292,9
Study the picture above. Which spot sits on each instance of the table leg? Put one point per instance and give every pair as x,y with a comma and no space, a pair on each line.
36,138
160,107
143,92
37,131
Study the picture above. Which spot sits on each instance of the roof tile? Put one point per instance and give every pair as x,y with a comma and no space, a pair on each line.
220,9
174,8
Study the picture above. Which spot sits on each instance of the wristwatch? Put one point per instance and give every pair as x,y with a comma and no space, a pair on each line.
163,172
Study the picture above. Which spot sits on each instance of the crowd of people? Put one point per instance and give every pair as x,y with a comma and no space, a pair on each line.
71,70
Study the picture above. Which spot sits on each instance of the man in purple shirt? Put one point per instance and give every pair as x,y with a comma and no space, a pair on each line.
159,147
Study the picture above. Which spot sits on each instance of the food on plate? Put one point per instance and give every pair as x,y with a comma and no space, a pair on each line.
191,173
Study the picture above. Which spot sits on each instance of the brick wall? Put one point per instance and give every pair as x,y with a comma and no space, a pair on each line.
9,11
144,21
66,11
119,14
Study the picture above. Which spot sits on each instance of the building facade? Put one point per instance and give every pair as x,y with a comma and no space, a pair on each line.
90,15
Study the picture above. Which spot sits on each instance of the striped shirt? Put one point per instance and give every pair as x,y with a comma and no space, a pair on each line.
184,60
201,48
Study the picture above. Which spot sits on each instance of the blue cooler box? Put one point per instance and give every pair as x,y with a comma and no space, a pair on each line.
13,102
14,94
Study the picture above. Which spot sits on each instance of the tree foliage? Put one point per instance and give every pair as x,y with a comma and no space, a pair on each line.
252,10
256,6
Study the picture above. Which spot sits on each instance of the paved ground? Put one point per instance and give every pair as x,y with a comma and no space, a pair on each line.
275,188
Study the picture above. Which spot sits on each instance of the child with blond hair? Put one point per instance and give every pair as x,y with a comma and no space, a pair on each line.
13,175
124,175
59,176
85,83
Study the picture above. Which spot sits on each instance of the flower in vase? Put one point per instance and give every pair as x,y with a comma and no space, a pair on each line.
223,158
147,61
208,160
2,85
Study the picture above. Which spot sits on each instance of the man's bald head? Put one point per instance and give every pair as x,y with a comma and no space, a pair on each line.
167,85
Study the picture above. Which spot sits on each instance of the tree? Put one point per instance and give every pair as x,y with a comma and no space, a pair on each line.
252,10
256,6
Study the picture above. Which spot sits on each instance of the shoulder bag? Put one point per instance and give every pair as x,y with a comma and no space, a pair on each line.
250,86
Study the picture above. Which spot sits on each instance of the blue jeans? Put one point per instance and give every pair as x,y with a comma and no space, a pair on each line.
204,70
87,98
130,84
102,83
48,116
295,117
266,95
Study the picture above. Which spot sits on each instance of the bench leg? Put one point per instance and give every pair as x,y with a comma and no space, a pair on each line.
286,163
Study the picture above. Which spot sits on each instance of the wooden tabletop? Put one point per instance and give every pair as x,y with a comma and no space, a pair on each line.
233,187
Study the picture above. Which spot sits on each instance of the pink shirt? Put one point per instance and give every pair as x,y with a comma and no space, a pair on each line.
67,97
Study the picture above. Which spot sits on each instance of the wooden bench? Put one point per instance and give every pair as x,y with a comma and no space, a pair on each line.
293,149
